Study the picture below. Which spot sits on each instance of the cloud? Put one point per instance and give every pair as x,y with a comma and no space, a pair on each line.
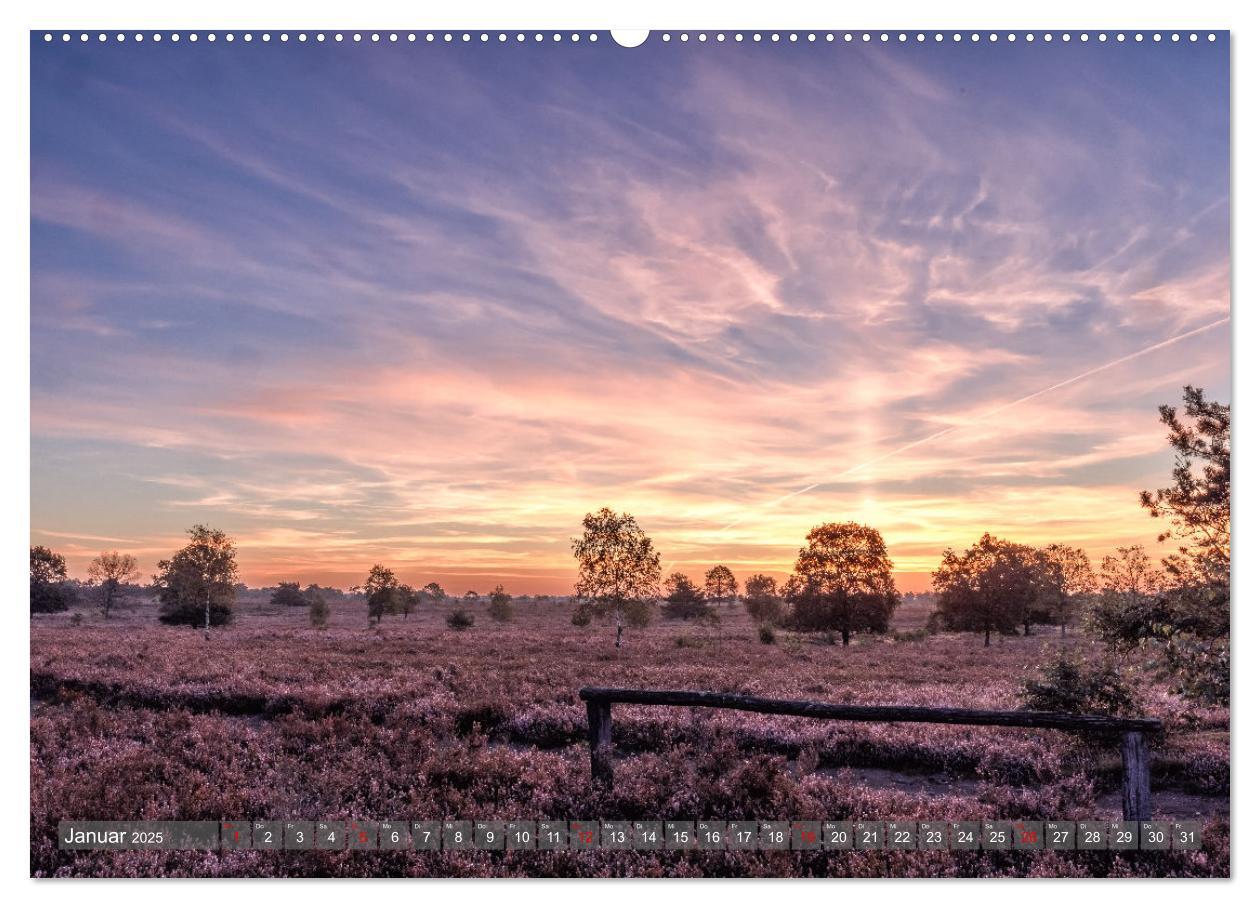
431,313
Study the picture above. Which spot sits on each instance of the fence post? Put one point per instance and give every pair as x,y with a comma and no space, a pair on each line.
1136,792
599,733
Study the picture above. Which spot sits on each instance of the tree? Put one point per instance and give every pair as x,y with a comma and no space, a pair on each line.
197,585
1067,578
434,592
50,591
842,581
1128,605
986,588
380,590
618,569
1197,503
720,585
288,594
318,609
683,600
111,570
471,596
500,605
406,598
761,598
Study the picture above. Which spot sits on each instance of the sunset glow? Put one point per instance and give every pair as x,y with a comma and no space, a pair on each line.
443,301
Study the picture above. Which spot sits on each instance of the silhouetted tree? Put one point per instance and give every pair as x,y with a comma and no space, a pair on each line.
318,609
1130,603
618,569
50,591
197,585
987,588
683,600
434,592
407,598
111,570
380,589
720,585
842,581
288,593
761,598
1066,579
500,605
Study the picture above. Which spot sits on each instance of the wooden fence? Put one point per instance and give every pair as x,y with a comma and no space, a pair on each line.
1134,753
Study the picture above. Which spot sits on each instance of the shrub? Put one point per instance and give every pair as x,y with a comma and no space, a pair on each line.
500,605
76,619
766,634
1065,683
318,610
685,642
459,620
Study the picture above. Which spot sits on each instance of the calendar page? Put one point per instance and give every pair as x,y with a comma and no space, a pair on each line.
793,453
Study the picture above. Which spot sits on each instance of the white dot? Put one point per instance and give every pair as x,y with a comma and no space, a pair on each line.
739,36
1212,37
139,37
702,37
1157,37
594,37
683,37
284,37
1194,37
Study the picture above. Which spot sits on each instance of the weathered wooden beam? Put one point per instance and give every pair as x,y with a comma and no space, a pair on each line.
1135,792
599,734
814,710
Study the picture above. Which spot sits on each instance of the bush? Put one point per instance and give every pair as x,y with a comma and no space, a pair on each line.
766,634
76,619
580,618
500,605
318,610
459,620
52,597
1065,683
685,642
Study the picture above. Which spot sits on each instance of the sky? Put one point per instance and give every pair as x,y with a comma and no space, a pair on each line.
428,305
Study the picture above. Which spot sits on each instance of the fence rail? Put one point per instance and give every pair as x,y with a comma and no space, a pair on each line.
1134,751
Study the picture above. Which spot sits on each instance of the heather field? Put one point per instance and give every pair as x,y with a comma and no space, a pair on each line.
271,719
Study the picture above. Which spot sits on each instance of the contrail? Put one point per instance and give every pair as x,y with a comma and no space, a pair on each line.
983,416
